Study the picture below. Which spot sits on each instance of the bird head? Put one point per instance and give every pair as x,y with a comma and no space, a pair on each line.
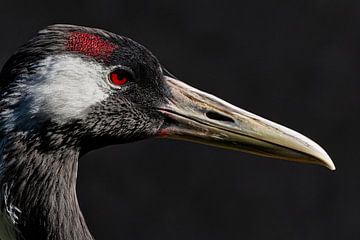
98,88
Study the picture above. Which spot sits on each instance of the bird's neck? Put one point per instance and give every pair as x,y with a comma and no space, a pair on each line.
39,192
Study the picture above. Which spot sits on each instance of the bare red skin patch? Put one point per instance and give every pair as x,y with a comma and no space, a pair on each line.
163,133
90,45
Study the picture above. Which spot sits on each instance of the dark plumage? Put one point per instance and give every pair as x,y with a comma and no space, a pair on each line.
58,102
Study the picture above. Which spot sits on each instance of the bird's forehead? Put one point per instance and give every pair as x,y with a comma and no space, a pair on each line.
90,45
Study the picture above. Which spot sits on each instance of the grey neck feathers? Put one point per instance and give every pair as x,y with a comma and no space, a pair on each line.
39,190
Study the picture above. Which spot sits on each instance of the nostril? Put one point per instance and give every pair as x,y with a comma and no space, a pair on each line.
219,117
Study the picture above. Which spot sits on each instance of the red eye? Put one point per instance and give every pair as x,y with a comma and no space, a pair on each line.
117,78
121,76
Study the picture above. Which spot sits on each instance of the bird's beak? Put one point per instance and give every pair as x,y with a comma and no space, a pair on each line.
200,117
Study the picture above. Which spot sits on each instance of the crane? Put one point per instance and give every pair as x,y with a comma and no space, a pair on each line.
72,89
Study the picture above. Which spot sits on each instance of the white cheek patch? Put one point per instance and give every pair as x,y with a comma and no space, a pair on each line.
66,86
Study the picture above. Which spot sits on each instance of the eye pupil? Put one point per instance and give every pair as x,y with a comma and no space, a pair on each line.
118,79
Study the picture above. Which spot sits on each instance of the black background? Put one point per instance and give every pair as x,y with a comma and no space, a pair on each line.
294,62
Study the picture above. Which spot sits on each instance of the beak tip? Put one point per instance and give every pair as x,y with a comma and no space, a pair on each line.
321,156
328,163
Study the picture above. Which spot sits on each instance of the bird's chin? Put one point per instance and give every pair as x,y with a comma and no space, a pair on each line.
93,143
199,117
